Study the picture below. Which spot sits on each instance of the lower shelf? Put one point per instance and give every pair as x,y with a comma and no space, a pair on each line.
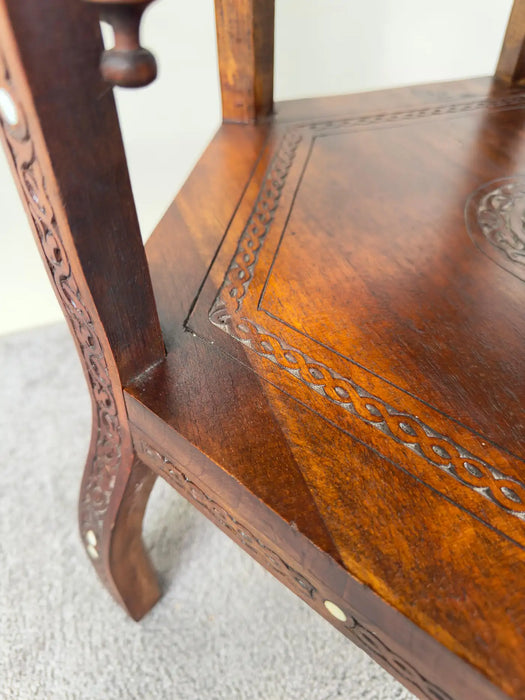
341,291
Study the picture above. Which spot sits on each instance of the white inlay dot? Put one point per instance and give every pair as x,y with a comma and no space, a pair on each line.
91,544
92,551
8,108
335,610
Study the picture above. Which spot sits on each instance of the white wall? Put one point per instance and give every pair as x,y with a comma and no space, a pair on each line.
322,47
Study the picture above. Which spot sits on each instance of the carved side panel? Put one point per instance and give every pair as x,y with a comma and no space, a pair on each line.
353,626
107,442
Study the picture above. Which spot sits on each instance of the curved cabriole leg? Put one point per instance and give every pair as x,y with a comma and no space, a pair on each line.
129,563
67,157
113,498
116,484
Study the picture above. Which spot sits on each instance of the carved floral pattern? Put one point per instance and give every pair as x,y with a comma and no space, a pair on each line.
101,471
354,628
501,215
495,218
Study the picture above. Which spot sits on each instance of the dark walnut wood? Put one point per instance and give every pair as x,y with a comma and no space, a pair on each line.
72,193
127,64
339,381
343,390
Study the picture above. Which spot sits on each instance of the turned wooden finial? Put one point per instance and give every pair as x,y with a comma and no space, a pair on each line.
127,64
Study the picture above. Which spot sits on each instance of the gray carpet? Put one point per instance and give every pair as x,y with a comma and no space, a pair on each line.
225,628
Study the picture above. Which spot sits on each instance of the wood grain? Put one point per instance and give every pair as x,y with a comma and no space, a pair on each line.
79,203
325,229
511,63
338,383
245,41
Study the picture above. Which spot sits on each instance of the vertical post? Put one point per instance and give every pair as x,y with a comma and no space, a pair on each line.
511,64
245,39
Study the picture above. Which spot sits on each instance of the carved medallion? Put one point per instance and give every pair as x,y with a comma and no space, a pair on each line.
495,216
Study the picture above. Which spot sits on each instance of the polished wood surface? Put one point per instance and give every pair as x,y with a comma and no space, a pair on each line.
322,349
81,209
511,63
245,41
368,391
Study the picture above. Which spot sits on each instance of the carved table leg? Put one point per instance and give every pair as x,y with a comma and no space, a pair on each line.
113,498
73,181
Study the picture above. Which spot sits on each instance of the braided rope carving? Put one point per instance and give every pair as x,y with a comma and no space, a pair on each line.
418,113
435,448
353,628
240,272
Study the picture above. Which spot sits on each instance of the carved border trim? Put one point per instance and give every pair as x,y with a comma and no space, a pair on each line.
420,113
240,271
435,448
101,470
355,629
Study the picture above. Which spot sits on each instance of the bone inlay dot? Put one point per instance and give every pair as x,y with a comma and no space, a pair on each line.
92,551
335,610
8,108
